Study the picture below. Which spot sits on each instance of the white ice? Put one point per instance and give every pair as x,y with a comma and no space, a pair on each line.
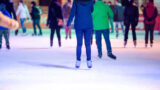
32,65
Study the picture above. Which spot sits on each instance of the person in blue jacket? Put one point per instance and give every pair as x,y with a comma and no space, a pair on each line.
3,30
83,24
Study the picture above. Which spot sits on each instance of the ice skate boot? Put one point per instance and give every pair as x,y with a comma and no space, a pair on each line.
125,43
112,56
78,63
8,47
89,64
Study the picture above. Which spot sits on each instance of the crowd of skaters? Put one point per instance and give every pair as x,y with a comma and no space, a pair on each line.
89,16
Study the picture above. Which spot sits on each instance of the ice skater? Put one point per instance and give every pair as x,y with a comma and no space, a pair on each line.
23,13
131,16
54,18
3,30
82,11
101,15
150,13
66,12
36,17
118,17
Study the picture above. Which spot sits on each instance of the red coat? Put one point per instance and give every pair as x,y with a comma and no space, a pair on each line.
150,13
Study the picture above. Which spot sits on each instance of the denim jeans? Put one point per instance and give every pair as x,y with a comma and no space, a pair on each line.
5,33
99,34
22,20
122,27
87,33
37,23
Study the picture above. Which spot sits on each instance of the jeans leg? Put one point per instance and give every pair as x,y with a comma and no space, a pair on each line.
99,41
116,28
87,38
1,33
6,37
39,26
79,36
122,27
34,27
107,40
22,25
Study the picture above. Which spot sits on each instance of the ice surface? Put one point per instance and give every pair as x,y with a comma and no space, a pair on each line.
32,65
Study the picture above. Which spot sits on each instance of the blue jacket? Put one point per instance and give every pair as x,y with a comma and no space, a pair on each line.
82,11
6,13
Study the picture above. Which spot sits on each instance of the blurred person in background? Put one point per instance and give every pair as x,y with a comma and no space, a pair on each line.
131,16
150,13
55,17
118,17
66,12
23,14
36,16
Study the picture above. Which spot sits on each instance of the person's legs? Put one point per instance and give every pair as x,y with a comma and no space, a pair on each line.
126,34
122,27
146,34
1,33
70,33
6,39
108,43
87,38
52,36
107,40
134,34
99,42
58,35
116,28
34,27
39,26
151,34
22,25
79,36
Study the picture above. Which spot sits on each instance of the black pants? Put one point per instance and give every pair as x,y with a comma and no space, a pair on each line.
57,29
149,28
133,31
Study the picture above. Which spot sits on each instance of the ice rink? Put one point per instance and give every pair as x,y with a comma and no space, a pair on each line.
32,64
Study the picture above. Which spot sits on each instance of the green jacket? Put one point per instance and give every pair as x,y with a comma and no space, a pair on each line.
101,15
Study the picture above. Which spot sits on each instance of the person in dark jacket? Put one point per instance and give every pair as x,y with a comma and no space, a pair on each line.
54,17
150,13
118,17
36,16
3,30
82,11
131,16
